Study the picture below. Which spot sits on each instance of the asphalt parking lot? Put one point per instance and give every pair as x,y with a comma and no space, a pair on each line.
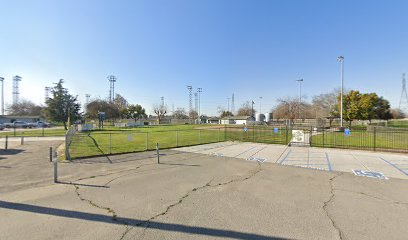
199,195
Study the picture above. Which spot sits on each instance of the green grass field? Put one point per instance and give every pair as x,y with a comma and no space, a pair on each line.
46,132
114,141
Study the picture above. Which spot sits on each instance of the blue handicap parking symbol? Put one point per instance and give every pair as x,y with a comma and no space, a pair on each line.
347,132
245,129
276,130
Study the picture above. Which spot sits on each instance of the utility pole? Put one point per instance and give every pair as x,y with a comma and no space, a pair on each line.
228,104
260,105
199,90
341,60
252,108
233,104
300,96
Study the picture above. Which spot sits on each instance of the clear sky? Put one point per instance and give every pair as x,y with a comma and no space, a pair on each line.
250,48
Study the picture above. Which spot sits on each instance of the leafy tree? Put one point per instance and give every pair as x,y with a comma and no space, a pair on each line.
135,112
25,107
368,106
226,114
62,106
160,111
351,106
383,109
94,107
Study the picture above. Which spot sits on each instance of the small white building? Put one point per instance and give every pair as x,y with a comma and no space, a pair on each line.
239,120
213,120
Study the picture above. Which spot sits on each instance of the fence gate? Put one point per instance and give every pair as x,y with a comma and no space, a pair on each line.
301,137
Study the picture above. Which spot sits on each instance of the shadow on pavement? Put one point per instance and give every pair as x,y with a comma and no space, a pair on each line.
11,151
172,227
83,185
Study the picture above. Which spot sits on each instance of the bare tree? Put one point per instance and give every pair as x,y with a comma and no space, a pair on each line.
160,111
246,109
25,107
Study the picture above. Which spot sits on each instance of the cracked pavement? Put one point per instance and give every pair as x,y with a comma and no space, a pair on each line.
192,195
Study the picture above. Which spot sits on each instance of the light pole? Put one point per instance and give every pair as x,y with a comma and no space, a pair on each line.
260,105
228,104
2,95
300,93
341,60
199,90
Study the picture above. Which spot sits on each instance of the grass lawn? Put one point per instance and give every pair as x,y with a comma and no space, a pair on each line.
113,140
46,132
363,140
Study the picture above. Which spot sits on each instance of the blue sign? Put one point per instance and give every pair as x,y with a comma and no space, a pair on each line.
347,132
276,130
245,129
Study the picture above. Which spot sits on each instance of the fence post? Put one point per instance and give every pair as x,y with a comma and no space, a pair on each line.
176,138
375,137
323,136
158,153
55,167
311,135
22,139
225,133
43,131
6,143
253,132
51,153
147,141
286,130
219,129
110,143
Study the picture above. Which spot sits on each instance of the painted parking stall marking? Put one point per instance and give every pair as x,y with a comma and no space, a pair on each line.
370,174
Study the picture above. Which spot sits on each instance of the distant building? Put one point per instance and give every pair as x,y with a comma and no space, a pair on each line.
240,120
213,120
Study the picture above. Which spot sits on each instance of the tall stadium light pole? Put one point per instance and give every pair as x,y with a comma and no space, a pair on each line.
341,60
260,105
2,95
300,94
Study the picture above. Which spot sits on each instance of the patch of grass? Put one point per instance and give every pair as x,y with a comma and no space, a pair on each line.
46,132
367,140
113,142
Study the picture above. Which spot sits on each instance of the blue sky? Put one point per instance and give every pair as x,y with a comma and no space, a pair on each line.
250,48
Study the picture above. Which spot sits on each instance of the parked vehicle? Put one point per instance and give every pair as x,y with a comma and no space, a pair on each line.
1,126
40,124
20,124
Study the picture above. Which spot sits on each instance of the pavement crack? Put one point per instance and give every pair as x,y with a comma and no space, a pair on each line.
375,197
326,204
208,184
109,210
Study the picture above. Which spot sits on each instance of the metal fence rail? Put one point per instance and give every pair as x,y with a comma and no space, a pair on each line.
80,145
372,139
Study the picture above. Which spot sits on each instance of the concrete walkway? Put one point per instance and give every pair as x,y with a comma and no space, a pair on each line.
391,165
193,196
